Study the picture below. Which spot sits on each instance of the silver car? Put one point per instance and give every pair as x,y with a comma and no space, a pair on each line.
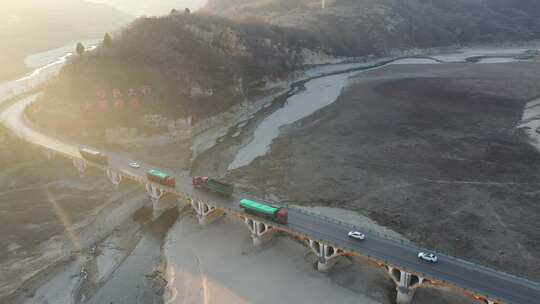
135,165
357,235
428,257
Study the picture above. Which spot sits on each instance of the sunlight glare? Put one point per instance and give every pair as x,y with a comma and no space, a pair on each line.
66,222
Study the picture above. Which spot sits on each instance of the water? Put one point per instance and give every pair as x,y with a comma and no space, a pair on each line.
131,282
136,281
333,68
463,54
45,58
45,64
497,60
323,91
53,60
60,288
318,93
415,61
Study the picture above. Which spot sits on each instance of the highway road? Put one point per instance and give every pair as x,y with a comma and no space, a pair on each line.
455,271
479,280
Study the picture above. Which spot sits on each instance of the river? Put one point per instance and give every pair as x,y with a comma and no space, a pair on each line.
44,65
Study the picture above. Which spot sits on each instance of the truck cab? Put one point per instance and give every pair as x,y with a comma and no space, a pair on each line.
282,216
199,181
94,156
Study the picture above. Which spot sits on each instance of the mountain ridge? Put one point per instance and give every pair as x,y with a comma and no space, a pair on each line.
356,27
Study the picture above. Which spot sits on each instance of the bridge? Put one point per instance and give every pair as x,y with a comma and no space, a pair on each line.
327,238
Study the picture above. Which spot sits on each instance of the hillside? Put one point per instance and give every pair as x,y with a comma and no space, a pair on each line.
195,66
377,26
178,66
28,27
152,7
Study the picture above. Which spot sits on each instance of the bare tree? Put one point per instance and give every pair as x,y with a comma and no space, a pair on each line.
107,40
80,49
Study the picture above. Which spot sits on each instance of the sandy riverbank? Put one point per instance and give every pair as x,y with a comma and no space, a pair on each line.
218,264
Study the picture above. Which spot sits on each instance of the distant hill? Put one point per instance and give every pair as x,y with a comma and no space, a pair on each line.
28,26
152,7
375,26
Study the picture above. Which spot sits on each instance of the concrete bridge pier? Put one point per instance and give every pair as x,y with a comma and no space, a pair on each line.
206,213
115,178
260,231
156,193
486,301
406,284
80,164
326,254
182,202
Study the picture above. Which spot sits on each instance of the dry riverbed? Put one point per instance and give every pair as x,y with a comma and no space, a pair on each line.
431,151
51,218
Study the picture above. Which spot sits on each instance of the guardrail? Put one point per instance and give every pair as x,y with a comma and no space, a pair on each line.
380,258
409,244
347,224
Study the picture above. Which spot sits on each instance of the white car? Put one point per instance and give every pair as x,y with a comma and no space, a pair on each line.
357,235
428,257
135,165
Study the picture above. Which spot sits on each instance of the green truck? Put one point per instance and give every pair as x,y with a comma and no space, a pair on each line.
213,185
276,214
160,177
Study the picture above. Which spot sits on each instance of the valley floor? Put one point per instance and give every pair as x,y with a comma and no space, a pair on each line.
431,151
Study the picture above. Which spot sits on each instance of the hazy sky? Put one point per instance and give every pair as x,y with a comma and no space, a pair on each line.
152,7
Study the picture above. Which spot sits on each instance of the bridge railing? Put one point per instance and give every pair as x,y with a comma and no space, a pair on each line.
384,260
362,228
407,243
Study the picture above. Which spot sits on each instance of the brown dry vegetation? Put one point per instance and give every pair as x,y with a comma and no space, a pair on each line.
172,54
